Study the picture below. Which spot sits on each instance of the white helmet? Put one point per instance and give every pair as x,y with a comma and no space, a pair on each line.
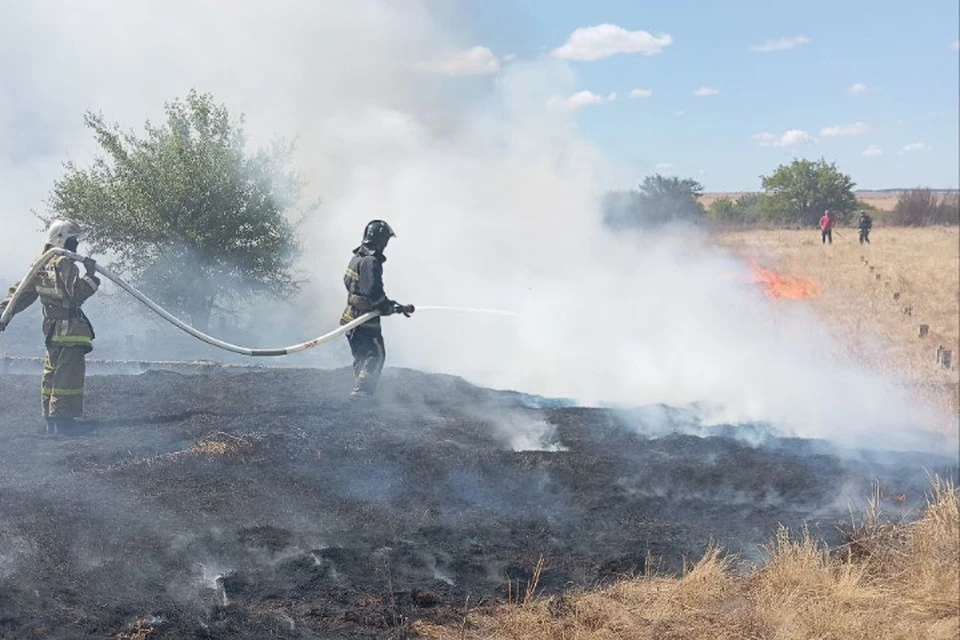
60,231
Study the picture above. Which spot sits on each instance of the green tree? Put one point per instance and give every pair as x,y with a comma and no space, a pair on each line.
659,200
662,199
190,216
802,190
724,210
754,207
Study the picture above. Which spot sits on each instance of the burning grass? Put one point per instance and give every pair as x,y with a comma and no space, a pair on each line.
781,286
890,581
873,298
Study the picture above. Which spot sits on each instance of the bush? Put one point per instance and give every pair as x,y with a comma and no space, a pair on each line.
919,207
659,200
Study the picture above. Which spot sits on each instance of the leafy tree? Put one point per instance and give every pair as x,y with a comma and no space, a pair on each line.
620,209
801,191
659,200
754,207
724,210
191,217
923,207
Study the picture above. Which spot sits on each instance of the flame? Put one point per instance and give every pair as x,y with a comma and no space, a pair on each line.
779,286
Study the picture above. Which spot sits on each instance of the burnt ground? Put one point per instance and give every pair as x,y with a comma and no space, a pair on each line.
263,504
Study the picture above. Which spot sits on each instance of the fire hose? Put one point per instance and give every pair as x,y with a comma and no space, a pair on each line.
199,335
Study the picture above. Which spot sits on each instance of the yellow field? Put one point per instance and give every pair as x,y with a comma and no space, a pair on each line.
883,201
875,297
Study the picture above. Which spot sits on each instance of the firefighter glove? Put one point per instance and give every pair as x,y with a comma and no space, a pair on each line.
405,309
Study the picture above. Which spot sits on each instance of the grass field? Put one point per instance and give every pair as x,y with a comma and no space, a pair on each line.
875,297
883,200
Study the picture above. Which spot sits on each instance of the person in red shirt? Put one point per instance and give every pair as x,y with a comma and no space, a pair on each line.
826,227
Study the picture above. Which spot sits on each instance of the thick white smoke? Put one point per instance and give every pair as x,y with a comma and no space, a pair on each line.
493,193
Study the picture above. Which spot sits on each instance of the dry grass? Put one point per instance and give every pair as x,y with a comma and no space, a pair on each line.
905,584
920,267
140,630
882,201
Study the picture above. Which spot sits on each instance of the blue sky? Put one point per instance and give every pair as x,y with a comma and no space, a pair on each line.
872,86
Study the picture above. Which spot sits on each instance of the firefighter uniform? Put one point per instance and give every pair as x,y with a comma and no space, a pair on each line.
364,283
69,335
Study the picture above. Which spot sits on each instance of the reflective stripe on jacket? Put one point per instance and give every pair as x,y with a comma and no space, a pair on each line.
62,290
363,280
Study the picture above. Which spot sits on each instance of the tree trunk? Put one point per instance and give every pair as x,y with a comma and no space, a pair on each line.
200,314
200,305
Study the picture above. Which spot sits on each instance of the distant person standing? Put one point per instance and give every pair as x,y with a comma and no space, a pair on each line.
826,227
864,224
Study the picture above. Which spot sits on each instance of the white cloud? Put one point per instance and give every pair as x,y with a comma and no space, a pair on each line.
915,146
510,57
641,93
872,151
956,45
679,112
663,166
855,129
601,41
706,91
582,99
786,139
780,44
477,61
857,88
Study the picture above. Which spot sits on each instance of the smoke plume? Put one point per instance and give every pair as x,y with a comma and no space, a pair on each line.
493,193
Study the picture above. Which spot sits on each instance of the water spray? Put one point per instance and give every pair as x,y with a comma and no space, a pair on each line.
199,335
495,312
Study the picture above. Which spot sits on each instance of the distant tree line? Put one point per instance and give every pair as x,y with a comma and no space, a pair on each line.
794,195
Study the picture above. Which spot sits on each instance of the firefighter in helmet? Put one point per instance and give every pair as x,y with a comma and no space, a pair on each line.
62,290
364,282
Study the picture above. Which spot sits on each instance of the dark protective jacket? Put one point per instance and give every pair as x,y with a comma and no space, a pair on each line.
61,289
364,282
865,222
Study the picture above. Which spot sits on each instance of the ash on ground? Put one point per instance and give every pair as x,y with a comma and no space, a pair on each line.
253,504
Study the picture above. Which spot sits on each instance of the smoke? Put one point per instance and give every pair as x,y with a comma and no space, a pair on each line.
494,196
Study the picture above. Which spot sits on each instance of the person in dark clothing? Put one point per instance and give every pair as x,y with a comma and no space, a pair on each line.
865,224
364,282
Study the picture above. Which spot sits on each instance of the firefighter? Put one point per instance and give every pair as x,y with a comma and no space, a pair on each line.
864,224
364,282
62,290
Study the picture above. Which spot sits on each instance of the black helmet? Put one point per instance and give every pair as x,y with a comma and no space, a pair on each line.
377,234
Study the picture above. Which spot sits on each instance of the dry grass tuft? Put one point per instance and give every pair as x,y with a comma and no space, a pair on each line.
223,444
141,630
903,582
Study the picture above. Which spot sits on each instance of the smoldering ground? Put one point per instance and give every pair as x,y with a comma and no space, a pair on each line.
248,503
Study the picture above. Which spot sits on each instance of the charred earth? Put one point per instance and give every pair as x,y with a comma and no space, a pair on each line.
264,504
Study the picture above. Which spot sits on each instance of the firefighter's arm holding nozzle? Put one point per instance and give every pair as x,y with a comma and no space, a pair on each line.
389,307
89,264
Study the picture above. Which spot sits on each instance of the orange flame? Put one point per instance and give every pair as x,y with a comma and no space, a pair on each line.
778,286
